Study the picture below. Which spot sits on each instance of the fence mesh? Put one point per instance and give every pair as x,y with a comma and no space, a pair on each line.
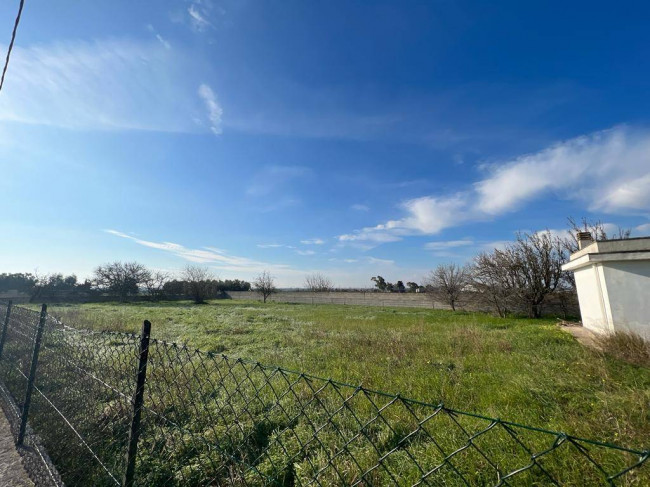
82,403
210,420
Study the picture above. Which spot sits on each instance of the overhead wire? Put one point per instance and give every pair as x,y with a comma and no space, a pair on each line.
11,44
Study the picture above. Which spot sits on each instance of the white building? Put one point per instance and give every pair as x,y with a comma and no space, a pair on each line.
613,283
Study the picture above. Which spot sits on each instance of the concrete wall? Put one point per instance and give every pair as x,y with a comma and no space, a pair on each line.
615,295
628,295
590,282
613,282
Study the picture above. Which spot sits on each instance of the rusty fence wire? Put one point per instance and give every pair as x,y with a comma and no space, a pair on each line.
207,419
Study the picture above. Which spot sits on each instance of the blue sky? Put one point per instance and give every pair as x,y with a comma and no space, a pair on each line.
349,138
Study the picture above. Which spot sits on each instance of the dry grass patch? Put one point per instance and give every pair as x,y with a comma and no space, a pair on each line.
627,346
468,339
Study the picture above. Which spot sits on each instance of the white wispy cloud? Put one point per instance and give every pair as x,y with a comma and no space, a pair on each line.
305,252
198,17
214,109
642,230
163,41
313,241
554,232
102,85
370,234
216,258
632,193
427,216
607,171
203,16
603,168
160,38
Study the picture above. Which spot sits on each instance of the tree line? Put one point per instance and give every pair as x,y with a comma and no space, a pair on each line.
127,279
37,286
384,286
123,281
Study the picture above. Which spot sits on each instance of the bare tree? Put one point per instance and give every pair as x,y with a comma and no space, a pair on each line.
490,280
154,284
318,283
524,274
534,265
122,279
198,282
597,230
264,284
448,282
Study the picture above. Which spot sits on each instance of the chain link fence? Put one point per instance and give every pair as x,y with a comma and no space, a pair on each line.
206,419
80,404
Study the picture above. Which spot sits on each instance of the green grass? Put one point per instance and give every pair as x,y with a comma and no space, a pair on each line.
527,371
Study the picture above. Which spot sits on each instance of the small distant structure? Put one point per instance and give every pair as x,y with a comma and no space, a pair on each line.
613,282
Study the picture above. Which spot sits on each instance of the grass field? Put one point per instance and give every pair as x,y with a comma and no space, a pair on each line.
528,371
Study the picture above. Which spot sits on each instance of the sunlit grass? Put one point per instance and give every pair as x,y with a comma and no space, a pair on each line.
528,371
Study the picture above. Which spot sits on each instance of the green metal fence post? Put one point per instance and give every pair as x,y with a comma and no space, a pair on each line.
138,399
4,328
32,376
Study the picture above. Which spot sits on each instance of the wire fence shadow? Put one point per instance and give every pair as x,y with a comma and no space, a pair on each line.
207,419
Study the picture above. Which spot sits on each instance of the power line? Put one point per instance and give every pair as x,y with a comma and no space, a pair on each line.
11,44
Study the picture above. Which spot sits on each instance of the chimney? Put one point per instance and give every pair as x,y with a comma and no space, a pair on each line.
584,239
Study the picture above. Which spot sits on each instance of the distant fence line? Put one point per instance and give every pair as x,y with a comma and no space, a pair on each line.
123,409
398,300
406,300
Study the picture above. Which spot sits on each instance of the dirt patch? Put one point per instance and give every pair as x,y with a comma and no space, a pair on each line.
35,462
12,471
583,335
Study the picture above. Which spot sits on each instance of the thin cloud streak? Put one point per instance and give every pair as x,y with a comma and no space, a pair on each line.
113,85
206,255
313,241
215,111
198,17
